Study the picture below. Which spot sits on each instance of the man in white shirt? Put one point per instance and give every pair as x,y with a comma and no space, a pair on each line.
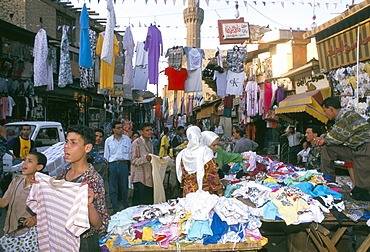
117,151
294,139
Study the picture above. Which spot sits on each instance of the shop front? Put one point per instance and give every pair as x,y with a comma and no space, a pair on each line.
343,45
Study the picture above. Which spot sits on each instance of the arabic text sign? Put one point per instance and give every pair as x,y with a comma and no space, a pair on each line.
235,30
341,49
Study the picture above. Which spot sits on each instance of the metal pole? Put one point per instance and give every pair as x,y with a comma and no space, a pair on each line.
358,66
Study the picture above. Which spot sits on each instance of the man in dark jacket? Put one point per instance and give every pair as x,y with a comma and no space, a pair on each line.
21,145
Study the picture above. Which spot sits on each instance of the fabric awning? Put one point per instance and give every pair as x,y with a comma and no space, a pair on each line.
299,106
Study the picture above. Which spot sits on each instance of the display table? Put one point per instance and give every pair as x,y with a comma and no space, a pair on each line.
243,246
324,239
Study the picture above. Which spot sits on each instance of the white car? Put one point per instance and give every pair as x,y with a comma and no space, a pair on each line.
45,134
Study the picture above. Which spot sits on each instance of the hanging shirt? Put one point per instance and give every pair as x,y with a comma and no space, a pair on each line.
235,82
11,104
252,98
198,99
220,83
40,54
108,49
268,95
128,46
62,213
87,75
176,79
235,59
141,54
140,78
154,46
194,57
193,82
190,106
85,58
106,70
175,57
280,94
65,70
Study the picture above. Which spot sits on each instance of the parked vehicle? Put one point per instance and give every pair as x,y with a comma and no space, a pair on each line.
45,134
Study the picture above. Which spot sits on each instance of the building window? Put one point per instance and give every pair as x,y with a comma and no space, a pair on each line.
63,19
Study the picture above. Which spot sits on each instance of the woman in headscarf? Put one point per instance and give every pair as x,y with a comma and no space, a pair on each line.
211,139
196,166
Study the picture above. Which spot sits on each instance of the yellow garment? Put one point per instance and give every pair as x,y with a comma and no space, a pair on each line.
367,68
148,234
271,179
134,241
110,242
352,81
182,220
164,146
106,70
25,147
288,205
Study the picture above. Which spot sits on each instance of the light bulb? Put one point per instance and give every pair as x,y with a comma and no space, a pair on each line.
237,14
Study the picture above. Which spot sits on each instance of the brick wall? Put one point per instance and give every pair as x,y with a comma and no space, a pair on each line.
12,11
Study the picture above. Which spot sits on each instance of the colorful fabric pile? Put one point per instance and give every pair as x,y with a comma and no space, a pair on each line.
199,218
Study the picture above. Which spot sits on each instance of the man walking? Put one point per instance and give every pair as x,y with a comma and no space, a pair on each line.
348,140
141,167
21,145
117,151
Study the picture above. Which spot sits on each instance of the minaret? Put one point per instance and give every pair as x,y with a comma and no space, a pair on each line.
193,18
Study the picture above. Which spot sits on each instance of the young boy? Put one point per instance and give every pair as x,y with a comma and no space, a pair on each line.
79,142
17,193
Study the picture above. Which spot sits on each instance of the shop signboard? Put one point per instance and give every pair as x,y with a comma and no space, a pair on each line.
310,83
341,49
233,31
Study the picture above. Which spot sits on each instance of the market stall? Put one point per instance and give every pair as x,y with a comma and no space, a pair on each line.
268,192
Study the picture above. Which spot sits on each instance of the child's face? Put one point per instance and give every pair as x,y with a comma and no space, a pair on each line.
30,166
75,148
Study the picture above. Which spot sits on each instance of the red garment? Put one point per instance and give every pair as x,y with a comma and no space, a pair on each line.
228,101
158,112
268,95
176,79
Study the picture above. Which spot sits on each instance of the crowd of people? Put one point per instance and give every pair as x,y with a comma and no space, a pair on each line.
109,167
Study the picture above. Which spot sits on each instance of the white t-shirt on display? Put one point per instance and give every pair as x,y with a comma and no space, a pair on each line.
194,57
193,82
235,83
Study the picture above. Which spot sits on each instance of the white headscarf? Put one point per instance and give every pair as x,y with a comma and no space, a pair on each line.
194,156
209,137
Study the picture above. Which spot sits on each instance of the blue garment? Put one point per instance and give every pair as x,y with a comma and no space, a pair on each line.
85,58
199,229
94,153
219,228
272,185
154,224
229,188
118,176
270,211
319,190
